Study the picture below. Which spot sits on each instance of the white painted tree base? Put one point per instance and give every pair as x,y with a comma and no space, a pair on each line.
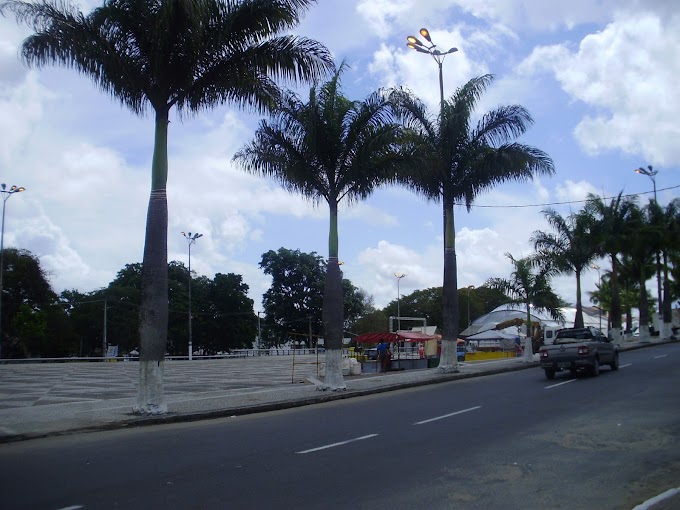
333,380
448,369
151,399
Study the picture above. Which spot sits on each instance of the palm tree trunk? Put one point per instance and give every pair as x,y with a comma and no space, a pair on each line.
615,312
643,308
153,324
528,341
333,312
578,319
667,330
449,358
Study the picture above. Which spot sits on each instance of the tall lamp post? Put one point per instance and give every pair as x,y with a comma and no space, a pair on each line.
599,277
399,276
470,288
431,49
191,239
6,193
651,173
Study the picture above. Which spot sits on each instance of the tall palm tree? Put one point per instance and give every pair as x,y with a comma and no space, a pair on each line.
329,149
670,244
460,161
642,236
187,54
611,233
526,288
569,250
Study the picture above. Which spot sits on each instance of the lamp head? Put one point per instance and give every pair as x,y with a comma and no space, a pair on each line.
426,34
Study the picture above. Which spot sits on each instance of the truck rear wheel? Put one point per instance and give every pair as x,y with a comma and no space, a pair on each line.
595,369
615,363
550,373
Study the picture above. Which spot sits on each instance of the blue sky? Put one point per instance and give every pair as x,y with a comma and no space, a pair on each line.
598,76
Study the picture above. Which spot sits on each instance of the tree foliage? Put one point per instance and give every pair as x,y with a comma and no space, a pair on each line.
294,301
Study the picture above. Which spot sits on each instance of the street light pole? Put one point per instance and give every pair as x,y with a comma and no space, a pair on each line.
191,239
651,173
259,334
431,49
599,277
399,277
6,193
470,288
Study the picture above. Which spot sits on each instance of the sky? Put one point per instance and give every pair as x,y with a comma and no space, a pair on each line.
599,78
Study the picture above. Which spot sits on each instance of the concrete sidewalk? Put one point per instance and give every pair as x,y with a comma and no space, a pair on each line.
40,400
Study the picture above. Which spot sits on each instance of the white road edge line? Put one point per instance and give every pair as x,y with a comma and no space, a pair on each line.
338,444
650,502
559,384
447,415
662,356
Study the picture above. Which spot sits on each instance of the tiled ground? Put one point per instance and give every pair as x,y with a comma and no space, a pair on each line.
24,385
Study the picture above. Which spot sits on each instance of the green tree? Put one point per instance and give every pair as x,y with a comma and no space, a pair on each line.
611,234
530,289
231,322
293,304
328,149
569,250
294,300
425,304
27,299
460,161
186,54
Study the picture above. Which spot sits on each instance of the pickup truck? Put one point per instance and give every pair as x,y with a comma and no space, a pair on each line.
577,349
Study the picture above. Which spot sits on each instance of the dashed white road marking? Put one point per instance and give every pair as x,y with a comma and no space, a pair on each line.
662,356
325,447
626,365
447,415
559,384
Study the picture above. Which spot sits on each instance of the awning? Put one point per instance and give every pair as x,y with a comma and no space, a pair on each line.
399,336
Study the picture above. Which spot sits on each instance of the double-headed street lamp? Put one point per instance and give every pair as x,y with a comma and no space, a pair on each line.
399,276
599,277
651,173
431,49
6,193
191,239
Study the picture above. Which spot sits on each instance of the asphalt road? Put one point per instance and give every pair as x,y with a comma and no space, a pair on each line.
509,441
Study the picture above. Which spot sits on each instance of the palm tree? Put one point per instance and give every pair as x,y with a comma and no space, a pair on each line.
569,250
645,233
460,161
670,242
329,149
187,54
531,290
611,235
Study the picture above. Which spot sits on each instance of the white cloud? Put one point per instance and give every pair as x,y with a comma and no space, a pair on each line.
627,73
